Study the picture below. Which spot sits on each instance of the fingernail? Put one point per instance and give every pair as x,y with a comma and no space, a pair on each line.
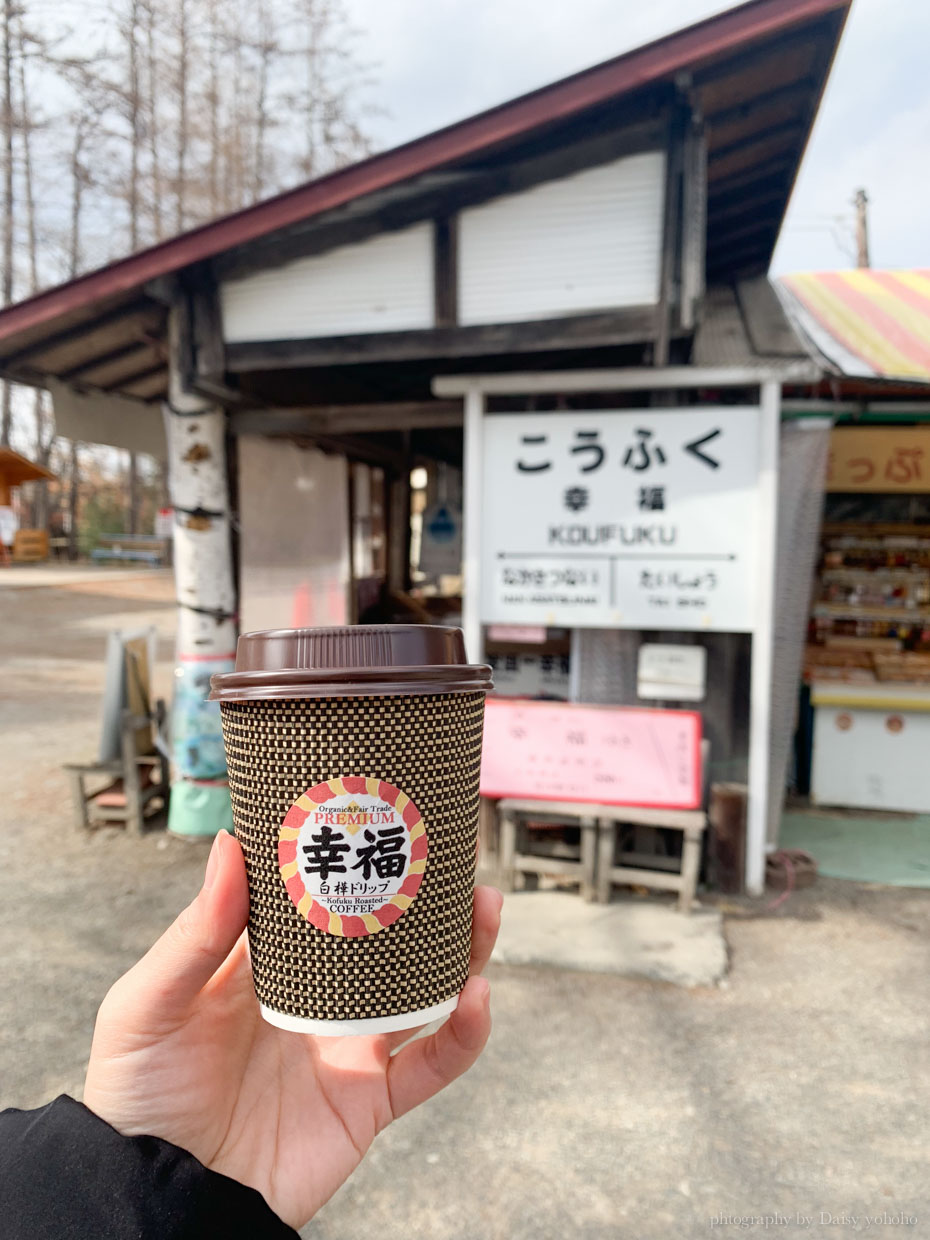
213,862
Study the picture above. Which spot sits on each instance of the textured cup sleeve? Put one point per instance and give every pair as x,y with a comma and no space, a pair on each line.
66,1173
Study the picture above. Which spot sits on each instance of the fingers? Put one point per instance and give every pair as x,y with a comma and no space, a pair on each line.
486,921
162,986
426,1066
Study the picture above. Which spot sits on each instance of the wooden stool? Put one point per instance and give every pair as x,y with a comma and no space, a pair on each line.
549,857
134,779
691,822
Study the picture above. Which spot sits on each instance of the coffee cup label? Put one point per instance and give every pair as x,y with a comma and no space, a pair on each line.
351,852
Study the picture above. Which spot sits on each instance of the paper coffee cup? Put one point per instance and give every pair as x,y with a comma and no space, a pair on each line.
354,757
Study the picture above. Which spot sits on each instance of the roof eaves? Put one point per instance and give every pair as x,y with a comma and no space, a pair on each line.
641,66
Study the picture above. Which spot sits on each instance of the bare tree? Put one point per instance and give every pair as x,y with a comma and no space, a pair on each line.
183,134
44,418
152,116
163,114
7,224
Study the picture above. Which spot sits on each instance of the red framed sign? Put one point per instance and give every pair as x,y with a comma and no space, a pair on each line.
615,755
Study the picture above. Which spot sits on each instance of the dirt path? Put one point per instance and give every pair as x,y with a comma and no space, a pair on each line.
604,1107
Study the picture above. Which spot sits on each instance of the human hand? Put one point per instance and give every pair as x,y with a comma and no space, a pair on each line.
180,1051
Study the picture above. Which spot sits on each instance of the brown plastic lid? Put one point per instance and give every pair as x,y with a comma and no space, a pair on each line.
356,660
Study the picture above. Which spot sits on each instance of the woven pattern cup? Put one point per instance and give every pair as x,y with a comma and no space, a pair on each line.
291,760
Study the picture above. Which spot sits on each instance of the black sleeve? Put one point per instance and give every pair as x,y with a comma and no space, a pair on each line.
66,1174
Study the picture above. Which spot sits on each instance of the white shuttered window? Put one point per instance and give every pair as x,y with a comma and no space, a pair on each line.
380,285
587,242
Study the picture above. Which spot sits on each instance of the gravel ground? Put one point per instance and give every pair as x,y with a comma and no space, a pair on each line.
603,1107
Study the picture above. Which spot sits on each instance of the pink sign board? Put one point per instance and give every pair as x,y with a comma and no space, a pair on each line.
615,755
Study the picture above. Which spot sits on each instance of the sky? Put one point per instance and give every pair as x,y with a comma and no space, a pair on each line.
437,61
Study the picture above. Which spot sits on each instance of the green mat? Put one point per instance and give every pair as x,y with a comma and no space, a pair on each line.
895,851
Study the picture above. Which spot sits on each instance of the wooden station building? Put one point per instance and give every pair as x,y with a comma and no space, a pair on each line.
599,245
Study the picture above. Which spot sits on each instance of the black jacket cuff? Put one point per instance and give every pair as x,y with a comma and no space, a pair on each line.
66,1174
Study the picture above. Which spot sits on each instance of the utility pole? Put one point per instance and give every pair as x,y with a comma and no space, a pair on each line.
861,203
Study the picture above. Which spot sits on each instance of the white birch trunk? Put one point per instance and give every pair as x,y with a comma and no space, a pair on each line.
206,599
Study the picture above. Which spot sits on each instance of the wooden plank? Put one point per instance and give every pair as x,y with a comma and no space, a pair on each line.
645,878
791,92
631,325
119,366
445,270
782,133
720,187
742,206
693,224
70,348
530,863
207,325
763,152
348,419
681,819
766,322
426,199
154,385
668,277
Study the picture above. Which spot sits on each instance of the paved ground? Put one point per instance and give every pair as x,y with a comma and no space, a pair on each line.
603,1107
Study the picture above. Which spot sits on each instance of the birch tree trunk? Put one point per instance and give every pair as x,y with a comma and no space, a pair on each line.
206,600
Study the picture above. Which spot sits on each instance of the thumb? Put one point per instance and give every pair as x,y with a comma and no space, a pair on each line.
162,986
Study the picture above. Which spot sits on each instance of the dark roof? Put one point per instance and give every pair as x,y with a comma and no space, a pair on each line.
757,73
16,469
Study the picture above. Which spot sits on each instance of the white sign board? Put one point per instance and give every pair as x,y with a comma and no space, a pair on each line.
530,675
671,673
642,519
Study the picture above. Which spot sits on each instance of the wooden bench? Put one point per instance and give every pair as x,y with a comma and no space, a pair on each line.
549,856
30,546
145,548
592,865
690,822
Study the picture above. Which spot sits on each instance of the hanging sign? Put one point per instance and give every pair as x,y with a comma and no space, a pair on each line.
441,540
635,519
612,755
879,458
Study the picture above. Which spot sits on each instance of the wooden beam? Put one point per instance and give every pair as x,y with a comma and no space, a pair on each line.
679,117
798,91
746,60
355,448
150,387
786,130
578,331
744,205
445,271
751,229
116,365
129,382
348,419
476,185
693,224
725,187
206,325
100,336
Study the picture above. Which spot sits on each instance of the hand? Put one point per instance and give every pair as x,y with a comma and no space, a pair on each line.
181,1052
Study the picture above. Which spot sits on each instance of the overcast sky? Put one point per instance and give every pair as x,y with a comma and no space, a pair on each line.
441,60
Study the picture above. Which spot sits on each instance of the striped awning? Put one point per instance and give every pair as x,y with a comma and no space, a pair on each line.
865,323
